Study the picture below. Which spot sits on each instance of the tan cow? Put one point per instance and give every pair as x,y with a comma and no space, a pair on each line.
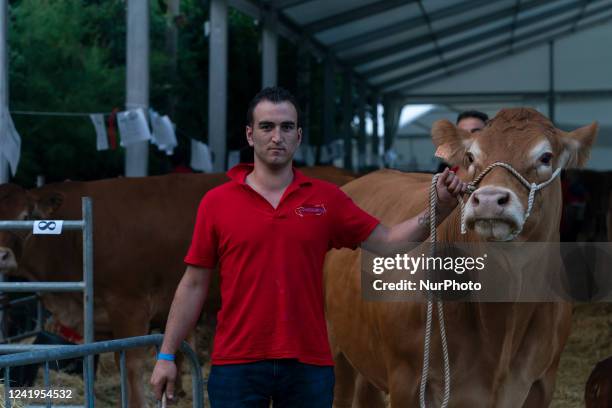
502,355
142,229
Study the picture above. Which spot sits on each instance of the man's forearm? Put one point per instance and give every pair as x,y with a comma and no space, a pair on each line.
409,233
403,236
184,312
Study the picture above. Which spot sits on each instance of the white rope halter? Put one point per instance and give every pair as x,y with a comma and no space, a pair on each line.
433,199
533,187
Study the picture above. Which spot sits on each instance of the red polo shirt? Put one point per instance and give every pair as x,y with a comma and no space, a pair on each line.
270,264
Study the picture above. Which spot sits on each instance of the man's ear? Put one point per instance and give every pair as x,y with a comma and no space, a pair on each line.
47,203
249,135
450,141
577,145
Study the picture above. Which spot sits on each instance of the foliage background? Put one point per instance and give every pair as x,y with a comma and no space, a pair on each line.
69,56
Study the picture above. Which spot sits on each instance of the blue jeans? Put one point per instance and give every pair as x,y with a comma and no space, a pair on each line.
288,383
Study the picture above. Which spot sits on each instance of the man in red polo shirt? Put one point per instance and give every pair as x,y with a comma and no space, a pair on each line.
268,231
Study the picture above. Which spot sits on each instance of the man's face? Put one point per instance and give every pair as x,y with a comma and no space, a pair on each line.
274,134
471,124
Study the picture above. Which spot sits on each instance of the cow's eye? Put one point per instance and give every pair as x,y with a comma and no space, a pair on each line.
470,157
546,158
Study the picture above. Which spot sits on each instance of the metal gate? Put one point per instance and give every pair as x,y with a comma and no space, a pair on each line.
53,353
86,286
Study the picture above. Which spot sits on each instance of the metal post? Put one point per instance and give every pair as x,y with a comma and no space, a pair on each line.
347,120
88,296
217,83
361,136
4,87
329,106
303,96
376,156
137,80
551,81
269,46
4,105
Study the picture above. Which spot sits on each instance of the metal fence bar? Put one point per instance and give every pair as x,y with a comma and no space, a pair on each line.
39,314
46,375
66,352
22,348
124,389
17,302
88,295
29,225
7,387
21,336
42,286
89,390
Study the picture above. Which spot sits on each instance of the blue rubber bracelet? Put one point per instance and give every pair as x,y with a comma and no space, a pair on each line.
165,356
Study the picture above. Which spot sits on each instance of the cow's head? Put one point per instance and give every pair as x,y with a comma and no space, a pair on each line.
19,204
527,141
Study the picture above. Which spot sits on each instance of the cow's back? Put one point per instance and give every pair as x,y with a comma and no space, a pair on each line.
142,230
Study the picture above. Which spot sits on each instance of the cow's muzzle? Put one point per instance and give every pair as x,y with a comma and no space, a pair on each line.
8,262
495,213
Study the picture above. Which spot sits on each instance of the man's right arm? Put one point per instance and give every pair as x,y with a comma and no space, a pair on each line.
184,313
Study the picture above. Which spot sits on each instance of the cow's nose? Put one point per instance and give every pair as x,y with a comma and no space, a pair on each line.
491,199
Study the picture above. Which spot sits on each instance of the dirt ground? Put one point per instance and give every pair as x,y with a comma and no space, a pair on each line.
590,342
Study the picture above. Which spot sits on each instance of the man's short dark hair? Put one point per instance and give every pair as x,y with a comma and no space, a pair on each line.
274,94
473,114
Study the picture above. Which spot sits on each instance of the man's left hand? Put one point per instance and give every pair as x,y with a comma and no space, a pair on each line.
448,189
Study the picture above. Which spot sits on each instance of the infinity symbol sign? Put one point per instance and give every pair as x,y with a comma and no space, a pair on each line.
46,225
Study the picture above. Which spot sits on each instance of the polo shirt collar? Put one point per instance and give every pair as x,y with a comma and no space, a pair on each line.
239,172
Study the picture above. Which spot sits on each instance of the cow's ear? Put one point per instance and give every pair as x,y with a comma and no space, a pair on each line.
577,145
47,203
450,141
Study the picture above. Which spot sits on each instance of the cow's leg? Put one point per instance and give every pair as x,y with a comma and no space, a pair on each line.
367,395
403,387
344,387
541,392
129,320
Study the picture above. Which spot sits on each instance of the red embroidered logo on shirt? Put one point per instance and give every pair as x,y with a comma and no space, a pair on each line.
305,210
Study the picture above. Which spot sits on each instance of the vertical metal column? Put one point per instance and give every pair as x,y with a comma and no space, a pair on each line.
347,120
137,80
269,49
376,156
329,105
361,136
217,83
303,97
4,88
4,92
551,81
88,297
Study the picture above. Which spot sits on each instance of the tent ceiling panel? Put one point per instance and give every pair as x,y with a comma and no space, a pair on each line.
547,6
456,45
502,25
527,71
581,66
491,7
470,47
587,22
386,42
591,5
568,19
395,57
404,70
316,10
368,24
